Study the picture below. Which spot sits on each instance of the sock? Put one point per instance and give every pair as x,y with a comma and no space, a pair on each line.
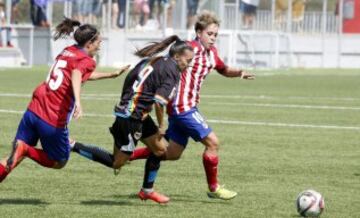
152,166
94,153
140,153
210,163
3,172
147,190
40,157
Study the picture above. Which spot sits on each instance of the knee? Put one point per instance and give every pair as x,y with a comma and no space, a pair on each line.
213,144
59,164
118,165
160,152
174,157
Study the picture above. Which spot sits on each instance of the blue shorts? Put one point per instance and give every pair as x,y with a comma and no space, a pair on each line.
185,125
54,141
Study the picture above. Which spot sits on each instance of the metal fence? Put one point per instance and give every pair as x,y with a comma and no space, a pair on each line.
228,10
310,22
311,40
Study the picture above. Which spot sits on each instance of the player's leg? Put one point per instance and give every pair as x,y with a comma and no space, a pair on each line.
121,130
18,153
173,151
152,167
140,153
93,153
199,130
211,159
55,144
25,140
25,136
157,144
210,162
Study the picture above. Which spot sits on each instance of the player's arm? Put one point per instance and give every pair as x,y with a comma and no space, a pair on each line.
227,71
98,75
76,85
160,103
233,72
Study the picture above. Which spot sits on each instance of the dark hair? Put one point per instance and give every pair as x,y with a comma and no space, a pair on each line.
156,47
205,19
82,35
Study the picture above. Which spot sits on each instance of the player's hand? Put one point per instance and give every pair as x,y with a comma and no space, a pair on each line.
78,111
246,75
121,71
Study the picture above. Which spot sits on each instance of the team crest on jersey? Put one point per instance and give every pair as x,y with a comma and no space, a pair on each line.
67,53
129,147
137,135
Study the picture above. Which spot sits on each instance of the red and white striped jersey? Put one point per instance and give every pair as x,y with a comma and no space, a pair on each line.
187,95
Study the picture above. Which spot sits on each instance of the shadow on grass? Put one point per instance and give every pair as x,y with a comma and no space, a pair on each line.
22,201
179,198
186,198
131,196
107,203
356,174
121,200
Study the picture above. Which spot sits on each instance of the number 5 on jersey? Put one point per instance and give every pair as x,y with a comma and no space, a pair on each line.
56,76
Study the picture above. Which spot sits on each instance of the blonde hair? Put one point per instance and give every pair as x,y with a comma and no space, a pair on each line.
205,19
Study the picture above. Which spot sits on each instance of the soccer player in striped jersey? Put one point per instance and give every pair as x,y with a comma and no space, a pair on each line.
56,100
185,119
153,81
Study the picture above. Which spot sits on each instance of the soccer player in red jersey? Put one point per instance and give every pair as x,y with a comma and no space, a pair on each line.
185,119
56,100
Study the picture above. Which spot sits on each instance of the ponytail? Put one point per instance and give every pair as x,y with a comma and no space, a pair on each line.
82,35
156,47
65,28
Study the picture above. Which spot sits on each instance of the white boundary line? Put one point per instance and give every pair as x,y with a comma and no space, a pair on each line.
117,96
235,122
299,106
324,107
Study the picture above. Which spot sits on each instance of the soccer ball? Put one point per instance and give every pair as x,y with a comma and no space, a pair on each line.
310,203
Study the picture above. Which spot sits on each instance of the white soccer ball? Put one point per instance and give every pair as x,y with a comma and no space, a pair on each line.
310,203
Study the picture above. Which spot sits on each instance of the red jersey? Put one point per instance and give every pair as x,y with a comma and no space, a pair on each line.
188,92
53,100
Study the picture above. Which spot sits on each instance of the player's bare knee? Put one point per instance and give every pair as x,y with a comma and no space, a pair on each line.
160,152
119,163
176,157
59,165
213,145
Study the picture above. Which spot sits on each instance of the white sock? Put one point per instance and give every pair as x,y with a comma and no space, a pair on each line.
148,190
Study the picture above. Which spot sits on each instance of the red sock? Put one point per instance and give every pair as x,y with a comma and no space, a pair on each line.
3,173
210,164
140,153
39,156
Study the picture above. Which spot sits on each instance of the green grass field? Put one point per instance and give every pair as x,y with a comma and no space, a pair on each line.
285,132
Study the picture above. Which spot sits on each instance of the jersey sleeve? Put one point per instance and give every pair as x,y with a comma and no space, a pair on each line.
86,66
219,63
167,88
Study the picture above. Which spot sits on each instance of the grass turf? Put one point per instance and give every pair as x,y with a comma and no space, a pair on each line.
266,163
